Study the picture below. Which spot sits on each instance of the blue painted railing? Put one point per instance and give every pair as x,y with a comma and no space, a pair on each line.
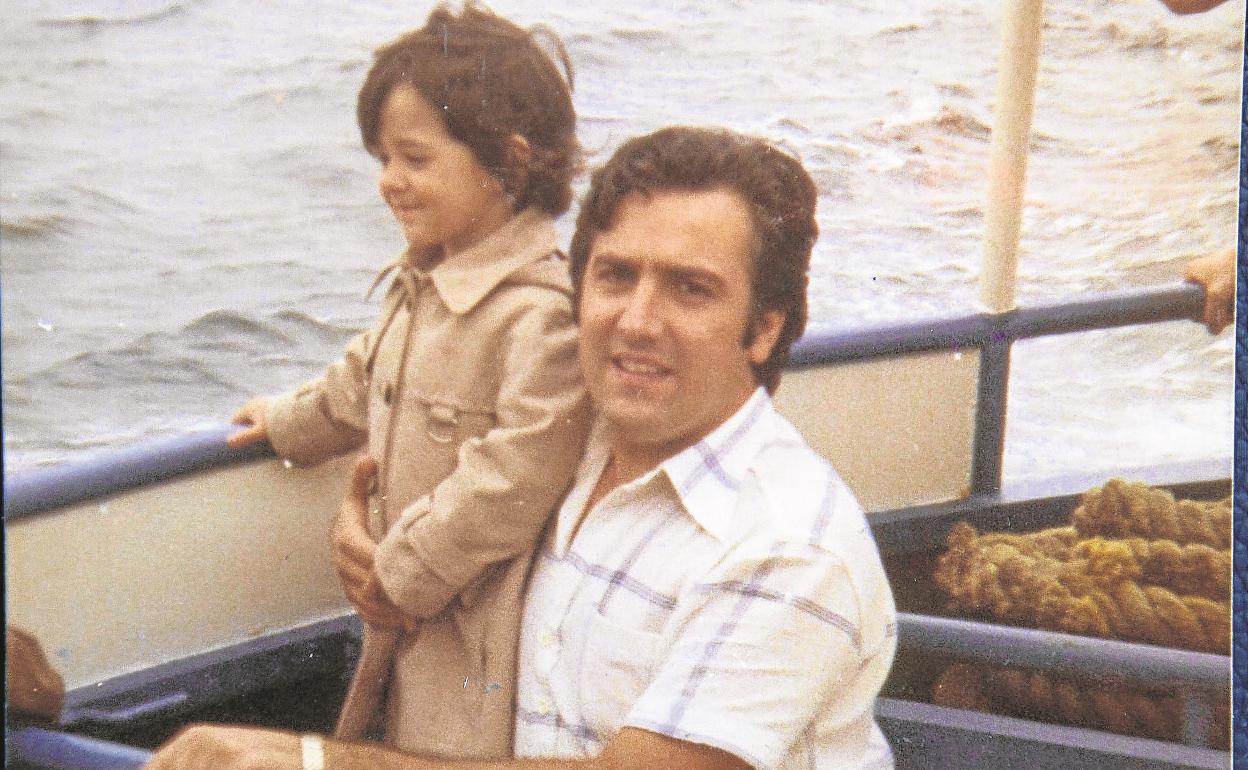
117,470
1195,673
1198,677
54,750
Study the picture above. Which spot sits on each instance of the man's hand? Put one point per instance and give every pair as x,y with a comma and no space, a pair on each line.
32,685
1216,273
220,747
250,414
354,550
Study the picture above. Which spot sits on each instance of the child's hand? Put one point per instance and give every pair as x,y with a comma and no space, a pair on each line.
354,549
250,414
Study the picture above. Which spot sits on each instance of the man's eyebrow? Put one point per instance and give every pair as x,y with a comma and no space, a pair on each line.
687,271
617,259
612,257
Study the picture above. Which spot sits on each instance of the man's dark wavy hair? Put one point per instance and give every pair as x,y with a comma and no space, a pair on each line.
781,197
489,79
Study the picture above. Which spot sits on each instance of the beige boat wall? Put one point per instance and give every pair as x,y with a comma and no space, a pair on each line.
216,558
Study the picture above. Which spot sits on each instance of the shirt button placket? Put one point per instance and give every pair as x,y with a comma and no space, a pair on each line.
547,656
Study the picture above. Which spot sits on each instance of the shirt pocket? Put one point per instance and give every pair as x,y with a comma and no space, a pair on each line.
617,667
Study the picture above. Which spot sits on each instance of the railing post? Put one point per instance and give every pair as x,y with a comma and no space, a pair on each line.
988,448
1197,717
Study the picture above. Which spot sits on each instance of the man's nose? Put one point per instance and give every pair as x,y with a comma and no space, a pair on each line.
643,309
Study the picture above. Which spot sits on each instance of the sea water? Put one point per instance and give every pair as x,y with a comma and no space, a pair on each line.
187,217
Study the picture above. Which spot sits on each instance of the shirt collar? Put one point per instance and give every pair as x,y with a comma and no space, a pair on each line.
594,461
704,480
464,278
708,476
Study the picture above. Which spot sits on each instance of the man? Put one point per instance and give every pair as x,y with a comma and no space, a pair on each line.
709,595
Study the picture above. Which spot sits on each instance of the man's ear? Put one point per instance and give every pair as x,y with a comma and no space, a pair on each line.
516,157
767,328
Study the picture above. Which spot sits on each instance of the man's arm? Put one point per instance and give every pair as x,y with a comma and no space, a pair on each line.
1191,6
219,747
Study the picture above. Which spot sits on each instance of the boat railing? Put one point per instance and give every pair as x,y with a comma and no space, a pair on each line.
993,335
57,750
911,528
1195,676
112,471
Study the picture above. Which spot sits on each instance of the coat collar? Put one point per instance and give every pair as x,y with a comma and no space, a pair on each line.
464,278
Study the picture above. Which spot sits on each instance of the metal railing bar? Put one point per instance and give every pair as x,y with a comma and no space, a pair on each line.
113,471
1127,662
117,470
926,735
1106,311
53,750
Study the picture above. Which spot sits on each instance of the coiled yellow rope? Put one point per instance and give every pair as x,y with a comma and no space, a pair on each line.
1043,697
1193,569
1134,565
1097,595
1131,509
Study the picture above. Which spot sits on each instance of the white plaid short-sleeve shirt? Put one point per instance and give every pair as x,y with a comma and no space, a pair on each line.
732,597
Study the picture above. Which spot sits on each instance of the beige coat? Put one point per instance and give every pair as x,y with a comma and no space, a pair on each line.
468,393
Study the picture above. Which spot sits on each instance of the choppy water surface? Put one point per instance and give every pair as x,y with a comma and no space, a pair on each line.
188,217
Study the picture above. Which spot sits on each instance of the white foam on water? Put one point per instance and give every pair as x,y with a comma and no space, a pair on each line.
167,163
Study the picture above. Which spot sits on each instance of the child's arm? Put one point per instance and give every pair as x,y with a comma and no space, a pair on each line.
322,418
506,483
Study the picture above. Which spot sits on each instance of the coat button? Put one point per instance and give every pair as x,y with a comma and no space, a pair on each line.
387,393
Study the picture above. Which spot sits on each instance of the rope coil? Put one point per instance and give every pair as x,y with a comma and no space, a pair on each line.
1134,565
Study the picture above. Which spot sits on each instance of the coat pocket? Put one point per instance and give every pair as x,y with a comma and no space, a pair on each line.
616,668
451,424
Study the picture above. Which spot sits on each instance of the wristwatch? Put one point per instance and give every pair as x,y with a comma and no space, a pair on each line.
313,752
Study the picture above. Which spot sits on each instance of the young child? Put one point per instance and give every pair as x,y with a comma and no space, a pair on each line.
467,392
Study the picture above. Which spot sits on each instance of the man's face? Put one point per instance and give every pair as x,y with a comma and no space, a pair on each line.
664,309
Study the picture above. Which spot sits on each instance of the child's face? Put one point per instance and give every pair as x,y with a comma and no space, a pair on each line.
442,197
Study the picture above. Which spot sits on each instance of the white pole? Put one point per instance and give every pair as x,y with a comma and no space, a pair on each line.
1011,136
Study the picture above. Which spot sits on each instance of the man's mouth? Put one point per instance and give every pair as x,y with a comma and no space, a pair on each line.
639,367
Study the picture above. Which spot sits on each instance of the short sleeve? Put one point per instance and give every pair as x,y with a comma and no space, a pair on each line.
758,648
